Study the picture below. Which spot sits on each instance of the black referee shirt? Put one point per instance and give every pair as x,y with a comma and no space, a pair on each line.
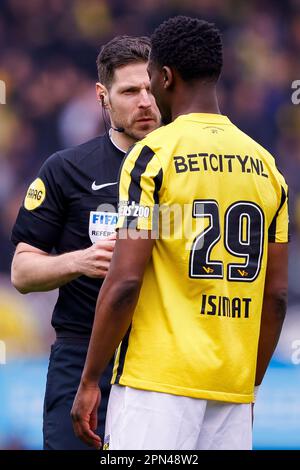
79,193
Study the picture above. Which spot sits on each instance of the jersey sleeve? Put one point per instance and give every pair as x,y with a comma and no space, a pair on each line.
140,182
41,216
279,227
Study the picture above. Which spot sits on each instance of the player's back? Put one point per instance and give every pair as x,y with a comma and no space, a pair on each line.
220,197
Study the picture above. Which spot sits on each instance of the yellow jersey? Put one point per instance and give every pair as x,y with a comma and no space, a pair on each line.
215,198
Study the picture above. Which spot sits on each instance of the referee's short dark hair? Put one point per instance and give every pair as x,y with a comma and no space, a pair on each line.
122,50
190,45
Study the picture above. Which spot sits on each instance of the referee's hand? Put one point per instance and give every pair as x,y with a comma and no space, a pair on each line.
84,414
95,260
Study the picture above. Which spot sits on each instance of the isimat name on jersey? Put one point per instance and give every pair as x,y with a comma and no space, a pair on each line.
225,306
221,163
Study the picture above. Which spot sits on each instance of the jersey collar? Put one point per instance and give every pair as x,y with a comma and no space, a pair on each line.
205,117
114,144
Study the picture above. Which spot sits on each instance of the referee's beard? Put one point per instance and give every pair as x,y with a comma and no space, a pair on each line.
138,125
140,134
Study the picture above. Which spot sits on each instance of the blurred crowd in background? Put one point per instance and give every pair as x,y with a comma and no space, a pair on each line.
48,51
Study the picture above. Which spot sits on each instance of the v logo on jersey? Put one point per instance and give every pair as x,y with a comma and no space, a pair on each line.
243,273
208,270
95,186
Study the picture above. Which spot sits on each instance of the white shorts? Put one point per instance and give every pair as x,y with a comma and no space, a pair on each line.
144,420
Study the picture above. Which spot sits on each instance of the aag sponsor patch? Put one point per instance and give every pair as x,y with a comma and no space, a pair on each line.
35,195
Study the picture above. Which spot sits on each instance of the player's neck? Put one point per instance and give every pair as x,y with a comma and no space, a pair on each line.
198,99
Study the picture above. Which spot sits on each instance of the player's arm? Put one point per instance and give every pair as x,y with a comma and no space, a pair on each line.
274,306
115,306
34,270
140,183
276,285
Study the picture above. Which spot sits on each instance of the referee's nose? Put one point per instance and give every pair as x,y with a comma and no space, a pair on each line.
145,99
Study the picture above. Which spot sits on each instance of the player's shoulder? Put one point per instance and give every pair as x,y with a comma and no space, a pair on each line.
269,160
157,138
256,146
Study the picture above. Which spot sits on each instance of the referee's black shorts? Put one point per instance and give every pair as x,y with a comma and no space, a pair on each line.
66,364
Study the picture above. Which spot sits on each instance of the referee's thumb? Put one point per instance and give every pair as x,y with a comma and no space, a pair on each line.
113,236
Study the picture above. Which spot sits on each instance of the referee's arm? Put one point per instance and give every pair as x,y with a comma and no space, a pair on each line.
34,270
38,229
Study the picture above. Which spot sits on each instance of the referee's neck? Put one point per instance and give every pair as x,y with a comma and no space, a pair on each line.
121,140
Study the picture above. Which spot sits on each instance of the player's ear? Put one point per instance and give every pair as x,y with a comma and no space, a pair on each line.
168,76
102,94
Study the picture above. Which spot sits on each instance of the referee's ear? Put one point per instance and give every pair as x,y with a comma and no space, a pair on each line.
102,94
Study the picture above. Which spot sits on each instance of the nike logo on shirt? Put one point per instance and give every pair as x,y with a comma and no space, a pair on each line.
95,186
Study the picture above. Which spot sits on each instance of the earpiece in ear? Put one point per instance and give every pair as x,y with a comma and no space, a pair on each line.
101,99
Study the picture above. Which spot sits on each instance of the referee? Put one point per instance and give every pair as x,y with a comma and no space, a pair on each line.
64,232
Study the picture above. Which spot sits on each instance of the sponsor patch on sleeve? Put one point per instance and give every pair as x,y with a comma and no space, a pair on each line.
35,195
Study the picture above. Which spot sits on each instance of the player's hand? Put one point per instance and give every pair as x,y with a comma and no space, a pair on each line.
95,260
84,414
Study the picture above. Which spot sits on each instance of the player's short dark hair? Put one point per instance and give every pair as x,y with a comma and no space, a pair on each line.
190,45
122,50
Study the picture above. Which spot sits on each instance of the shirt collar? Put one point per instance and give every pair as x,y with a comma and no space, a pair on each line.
114,144
205,117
